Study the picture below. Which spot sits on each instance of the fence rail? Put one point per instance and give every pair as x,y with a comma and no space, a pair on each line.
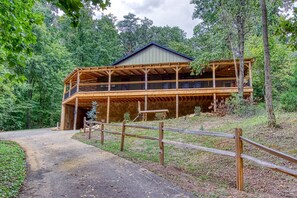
238,138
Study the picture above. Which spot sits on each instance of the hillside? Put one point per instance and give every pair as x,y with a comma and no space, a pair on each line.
210,175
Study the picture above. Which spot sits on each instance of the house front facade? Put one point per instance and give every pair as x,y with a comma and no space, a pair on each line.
155,76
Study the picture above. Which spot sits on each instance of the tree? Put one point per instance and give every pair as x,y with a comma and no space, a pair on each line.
72,8
128,28
233,17
267,69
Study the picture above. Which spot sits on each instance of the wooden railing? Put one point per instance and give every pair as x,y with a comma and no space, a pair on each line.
157,84
238,139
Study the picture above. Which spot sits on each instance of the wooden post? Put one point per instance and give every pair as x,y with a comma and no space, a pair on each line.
109,72
90,130
251,80
176,76
176,106
64,92
145,107
250,74
62,122
123,135
239,161
161,143
70,85
213,76
77,82
102,133
214,102
75,113
108,108
85,124
146,71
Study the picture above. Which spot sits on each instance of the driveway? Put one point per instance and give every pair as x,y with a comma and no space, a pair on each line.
59,166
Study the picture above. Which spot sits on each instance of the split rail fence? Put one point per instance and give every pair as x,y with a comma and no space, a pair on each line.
238,138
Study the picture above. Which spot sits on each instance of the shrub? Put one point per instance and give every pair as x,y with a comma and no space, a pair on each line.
92,114
244,108
197,110
127,116
289,101
159,116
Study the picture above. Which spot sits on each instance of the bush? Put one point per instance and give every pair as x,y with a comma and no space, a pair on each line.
244,108
159,116
289,101
197,110
127,116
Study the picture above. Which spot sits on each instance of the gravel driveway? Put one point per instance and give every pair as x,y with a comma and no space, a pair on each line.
59,166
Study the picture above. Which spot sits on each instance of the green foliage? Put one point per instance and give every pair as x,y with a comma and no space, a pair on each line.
289,101
16,36
127,116
159,116
12,168
136,32
282,62
197,110
92,114
73,7
241,108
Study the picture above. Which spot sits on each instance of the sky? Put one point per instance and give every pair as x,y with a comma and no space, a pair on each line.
162,12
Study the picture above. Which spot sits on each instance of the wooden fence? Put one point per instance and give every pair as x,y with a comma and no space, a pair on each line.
238,138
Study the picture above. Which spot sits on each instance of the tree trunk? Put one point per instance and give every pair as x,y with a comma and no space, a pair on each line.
30,96
268,86
241,58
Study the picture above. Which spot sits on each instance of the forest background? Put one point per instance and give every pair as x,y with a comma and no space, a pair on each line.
39,46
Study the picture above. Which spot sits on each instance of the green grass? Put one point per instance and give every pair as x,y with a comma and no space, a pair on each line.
213,175
12,168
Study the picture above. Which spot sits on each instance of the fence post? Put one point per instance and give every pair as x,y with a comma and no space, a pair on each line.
102,133
123,135
239,160
85,123
161,144
90,130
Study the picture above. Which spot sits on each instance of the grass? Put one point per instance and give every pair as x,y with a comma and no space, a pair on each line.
12,168
206,174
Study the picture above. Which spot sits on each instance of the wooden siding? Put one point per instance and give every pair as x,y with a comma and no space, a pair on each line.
152,55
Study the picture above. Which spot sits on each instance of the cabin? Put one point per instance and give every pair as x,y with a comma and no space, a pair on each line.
153,77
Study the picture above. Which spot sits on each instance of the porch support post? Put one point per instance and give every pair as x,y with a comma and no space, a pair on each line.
176,76
251,80
62,121
146,71
108,109
75,113
64,92
214,102
109,72
213,75
176,105
250,74
145,107
77,82
70,85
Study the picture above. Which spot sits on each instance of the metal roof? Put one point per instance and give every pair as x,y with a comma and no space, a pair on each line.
147,46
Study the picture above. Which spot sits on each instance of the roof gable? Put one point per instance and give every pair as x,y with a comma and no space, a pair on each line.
151,54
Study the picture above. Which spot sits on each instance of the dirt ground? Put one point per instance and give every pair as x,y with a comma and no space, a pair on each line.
59,166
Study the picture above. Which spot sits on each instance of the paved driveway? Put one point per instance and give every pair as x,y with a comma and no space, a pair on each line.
59,166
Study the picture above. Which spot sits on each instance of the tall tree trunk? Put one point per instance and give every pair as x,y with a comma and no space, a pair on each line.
268,86
241,38
241,58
